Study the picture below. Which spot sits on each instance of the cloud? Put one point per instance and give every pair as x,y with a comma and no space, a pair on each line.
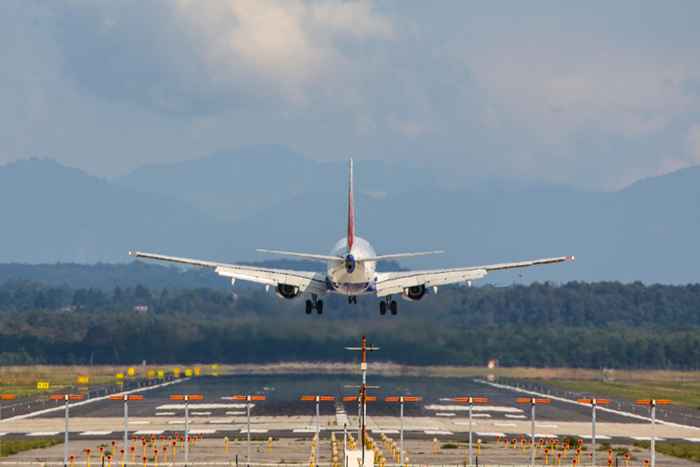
193,57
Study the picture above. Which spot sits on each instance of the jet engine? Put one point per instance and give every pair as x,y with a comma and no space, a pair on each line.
288,291
414,293
350,264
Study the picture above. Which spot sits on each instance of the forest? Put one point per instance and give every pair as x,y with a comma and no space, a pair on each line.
576,324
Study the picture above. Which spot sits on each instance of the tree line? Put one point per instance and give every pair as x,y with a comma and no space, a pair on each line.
593,325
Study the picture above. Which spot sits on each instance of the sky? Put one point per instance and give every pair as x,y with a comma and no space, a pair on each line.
592,94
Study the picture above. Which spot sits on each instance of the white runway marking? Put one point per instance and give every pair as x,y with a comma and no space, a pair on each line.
445,414
476,408
504,424
647,438
176,422
545,435
596,437
139,422
438,432
200,413
547,425
386,432
509,415
493,434
693,440
481,415
254,430
149,432
221,420
3,434
43,433
235,412
203,406
95,433
164,414
302,430
202,431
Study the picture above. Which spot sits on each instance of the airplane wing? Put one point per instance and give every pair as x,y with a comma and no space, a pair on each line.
395,282
307,282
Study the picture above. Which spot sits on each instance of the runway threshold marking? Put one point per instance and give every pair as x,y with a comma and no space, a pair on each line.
164,414
491,434
596,437
235,412
386,432
149,432
692,440
438,432
43,433
504,424
254,430
303,430
201,413
139,422
547,425
95,433
202,431
647,438
521,417
445,414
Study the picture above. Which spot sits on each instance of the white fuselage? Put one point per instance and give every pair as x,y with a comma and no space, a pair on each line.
363,278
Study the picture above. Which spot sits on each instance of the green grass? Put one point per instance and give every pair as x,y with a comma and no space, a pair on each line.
680,392
686,451
450,446
10,447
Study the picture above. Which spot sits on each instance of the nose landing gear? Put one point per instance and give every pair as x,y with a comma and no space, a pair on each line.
352,299
314,303
388,303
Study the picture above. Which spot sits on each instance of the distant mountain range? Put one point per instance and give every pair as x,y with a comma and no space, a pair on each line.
226,205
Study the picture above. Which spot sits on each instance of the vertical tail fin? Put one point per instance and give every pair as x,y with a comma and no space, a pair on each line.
351,213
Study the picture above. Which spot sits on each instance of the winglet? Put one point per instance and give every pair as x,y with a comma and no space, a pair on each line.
351,213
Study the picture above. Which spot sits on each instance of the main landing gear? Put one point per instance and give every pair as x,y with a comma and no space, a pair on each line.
388,303
314,303
352,299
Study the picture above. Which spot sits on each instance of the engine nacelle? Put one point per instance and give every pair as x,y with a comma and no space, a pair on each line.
414,293
287,291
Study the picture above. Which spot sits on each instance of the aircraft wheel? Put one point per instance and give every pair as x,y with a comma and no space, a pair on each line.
309,307
319,307
382,308
394,307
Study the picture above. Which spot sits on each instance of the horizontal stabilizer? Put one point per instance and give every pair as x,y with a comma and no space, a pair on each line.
309,256
401,255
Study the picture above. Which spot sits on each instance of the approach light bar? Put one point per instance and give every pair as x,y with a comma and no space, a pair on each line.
186,397
593,401
249,397
471,400
317,398
126,397
403,399
533,400
66,397
8,397
653,402
356,398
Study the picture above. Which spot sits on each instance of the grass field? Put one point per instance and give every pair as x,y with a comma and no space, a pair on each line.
687,451
10,447
682,387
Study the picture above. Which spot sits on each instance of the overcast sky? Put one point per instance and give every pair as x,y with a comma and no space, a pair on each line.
595,94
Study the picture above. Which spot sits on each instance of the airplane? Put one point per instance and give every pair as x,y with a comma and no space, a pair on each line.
351,271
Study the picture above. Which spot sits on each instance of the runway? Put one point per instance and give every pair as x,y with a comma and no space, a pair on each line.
283,415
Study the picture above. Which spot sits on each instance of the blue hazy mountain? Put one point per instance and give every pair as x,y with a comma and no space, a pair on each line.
226,205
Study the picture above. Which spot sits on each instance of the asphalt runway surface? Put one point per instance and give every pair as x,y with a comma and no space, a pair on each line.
283,392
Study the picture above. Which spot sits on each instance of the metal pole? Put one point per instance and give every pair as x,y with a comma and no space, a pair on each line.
653,433
126,425
345,443
532,429
401,438
593,440
65,436
318,429
247,457
471,404
187,429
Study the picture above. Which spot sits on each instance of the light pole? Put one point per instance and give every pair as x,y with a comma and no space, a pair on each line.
594,403
318,399
126,398
66,398
402,400
248,398
533,401
471,400
187,398
652,403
